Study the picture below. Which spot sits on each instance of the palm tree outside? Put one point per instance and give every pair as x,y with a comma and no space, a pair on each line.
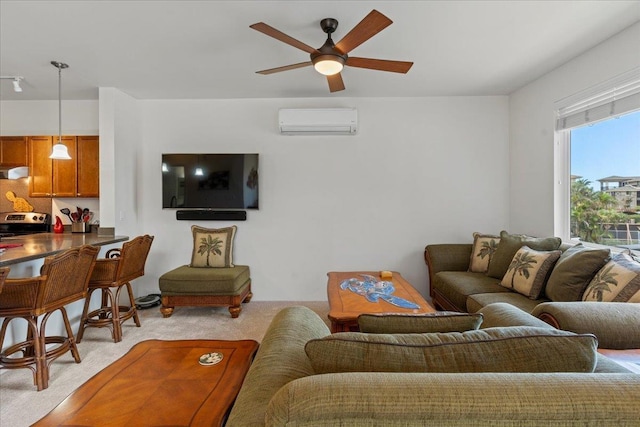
210,245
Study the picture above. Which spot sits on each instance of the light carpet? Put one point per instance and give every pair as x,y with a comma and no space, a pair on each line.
21,405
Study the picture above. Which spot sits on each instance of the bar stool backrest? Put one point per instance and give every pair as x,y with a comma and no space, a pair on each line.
67,276
133,256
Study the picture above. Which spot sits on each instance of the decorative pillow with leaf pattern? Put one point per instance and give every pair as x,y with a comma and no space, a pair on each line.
528,271
617,281
484,246
212,247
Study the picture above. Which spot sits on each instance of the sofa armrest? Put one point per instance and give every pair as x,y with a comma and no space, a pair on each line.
615,324
280,359
446,257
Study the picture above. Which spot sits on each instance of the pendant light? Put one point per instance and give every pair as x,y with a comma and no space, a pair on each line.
59,149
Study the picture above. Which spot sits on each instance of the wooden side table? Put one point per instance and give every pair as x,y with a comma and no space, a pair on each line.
160,383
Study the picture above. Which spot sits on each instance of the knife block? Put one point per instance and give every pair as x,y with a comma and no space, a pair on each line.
80,227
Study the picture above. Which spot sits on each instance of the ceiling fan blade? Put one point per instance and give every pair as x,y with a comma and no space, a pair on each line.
285,68
279,35
379,64
335,83
371,25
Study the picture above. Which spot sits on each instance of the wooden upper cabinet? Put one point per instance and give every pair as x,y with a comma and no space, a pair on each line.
40,166
13,151
78,177
88,166
65,176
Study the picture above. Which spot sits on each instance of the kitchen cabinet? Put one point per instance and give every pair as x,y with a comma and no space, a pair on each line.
78,177
88,170
40,166
13,151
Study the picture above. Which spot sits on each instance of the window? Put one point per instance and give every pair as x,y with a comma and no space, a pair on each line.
598,164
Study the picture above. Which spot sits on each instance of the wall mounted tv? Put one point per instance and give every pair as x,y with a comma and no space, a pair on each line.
210,181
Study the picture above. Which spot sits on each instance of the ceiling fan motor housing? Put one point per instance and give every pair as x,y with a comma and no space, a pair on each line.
328,51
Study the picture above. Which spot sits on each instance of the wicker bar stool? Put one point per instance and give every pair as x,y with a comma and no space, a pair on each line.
4,272
116,270
63,279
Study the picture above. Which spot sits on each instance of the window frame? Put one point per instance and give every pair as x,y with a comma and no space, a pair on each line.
604,101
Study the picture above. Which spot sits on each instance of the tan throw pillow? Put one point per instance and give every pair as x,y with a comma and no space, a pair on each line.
212,247
617,281
484,246
509,245
508,349
528,271
442,321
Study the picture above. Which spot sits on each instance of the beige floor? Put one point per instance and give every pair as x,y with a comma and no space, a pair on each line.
21,405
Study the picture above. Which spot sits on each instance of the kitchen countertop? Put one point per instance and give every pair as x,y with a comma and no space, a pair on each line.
35,246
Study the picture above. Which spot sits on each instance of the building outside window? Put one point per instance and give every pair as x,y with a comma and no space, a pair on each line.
598,160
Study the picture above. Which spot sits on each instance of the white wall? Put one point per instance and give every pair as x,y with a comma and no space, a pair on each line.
531,119
41,118
420,170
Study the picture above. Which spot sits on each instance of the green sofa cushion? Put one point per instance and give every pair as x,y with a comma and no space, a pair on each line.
505,314
443,321
456,286
573,272
477,301
510,349
509,245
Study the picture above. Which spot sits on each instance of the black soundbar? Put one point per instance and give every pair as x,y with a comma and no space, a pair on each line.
211,215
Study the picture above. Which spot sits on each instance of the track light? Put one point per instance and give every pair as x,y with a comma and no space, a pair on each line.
16,85
16,82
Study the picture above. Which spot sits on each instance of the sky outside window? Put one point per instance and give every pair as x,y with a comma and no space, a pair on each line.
607,148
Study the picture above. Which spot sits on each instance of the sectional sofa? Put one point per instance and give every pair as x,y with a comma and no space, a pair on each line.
534,275
291,382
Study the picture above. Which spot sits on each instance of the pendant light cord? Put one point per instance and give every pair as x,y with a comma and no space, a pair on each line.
59,66
60,104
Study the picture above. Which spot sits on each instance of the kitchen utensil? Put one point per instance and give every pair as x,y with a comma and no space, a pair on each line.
79,212
75,217
67,212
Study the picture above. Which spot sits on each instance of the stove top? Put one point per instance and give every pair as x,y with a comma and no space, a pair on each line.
25,218
21,223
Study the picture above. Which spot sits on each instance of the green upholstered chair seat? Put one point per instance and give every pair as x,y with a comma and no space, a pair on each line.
205,281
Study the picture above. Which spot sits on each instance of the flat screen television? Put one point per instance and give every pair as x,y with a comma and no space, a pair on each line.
210,181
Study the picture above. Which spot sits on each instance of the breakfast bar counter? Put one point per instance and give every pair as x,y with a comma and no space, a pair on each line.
36,246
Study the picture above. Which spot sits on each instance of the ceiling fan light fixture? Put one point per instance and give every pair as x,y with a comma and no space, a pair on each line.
328,65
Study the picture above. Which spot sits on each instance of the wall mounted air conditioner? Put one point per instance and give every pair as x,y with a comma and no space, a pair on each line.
318,121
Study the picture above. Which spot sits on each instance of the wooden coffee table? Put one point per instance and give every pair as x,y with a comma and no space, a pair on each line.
345,306
160,383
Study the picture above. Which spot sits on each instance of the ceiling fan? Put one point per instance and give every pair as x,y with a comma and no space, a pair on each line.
330,58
